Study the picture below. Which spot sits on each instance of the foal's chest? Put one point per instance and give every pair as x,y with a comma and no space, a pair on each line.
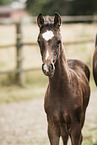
61,110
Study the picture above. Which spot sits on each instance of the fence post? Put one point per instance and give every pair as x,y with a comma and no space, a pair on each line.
20,79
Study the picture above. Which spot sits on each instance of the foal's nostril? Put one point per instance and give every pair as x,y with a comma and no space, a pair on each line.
52,66
45,68
48,69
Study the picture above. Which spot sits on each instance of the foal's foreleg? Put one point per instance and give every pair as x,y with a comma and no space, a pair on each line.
76,136
54,134
64,135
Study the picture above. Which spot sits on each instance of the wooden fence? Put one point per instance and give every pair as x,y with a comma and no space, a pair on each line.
19,71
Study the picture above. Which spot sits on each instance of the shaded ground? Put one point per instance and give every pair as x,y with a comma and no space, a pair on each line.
24,123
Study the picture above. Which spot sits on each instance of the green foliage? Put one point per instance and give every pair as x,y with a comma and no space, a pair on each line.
6,2
64,7
35,6
59,6
2,2
82,7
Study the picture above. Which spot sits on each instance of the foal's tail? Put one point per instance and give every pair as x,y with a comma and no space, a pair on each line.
95,62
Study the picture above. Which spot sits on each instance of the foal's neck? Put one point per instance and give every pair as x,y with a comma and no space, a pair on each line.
61,74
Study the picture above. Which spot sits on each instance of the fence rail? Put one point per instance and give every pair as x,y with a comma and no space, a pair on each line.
33,43
65,19
19,71
70,19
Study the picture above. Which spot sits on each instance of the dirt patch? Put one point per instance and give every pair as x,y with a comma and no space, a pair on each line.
24,123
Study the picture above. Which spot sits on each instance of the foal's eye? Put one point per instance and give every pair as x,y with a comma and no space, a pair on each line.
58,42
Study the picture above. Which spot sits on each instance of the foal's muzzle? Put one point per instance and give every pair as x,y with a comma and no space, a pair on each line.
48,70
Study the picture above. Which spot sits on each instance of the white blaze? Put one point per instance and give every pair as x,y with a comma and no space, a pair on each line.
48,35
47,55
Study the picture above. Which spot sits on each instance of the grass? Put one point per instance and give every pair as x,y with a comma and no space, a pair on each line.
35,87
90,136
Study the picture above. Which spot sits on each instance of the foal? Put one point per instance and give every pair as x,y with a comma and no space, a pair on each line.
68,92
95,63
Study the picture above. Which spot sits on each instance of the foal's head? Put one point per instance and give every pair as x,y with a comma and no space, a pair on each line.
49,41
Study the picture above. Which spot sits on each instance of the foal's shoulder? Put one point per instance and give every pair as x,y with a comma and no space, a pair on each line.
76,65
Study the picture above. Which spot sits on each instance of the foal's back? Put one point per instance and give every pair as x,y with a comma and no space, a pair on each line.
76,65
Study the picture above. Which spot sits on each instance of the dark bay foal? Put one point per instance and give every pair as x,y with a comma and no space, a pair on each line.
68,91
95,63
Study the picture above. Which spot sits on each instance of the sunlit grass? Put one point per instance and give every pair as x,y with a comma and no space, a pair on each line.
34,87
90,136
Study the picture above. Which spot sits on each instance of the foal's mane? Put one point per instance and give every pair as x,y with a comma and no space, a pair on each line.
48,19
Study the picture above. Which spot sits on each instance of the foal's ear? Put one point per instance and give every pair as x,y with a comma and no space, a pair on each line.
40,20
57,20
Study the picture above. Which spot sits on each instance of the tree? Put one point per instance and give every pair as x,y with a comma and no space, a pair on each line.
64,7
82,7
3,2
35,6
60,6
71,7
